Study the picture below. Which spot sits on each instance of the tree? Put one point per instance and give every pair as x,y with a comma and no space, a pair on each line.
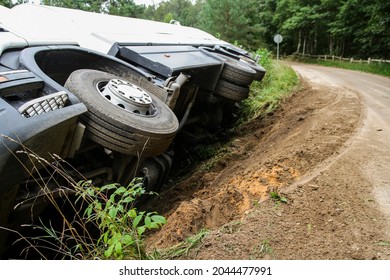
300,21
264,18
124,8
329,10
180,10
6,3
231,20
378,29
10,3
85,5
193,14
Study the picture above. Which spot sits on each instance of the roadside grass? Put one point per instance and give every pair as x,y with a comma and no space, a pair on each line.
264,249
265,96
382,243
277,198
382,69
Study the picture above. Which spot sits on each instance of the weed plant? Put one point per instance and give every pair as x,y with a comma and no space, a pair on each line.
106,224
121,226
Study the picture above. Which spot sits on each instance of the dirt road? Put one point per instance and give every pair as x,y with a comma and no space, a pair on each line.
325,155
370,148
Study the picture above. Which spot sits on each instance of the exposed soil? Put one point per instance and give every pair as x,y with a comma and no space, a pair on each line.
315,152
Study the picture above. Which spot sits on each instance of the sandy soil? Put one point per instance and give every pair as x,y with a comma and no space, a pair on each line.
326,152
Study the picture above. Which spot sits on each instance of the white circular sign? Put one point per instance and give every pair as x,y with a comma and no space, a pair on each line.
278,38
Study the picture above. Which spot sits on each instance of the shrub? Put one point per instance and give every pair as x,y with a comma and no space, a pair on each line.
121,225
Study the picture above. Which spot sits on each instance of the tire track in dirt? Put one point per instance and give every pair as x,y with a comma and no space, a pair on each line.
370,149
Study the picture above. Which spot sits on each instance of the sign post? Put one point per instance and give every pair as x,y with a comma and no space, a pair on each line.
277,39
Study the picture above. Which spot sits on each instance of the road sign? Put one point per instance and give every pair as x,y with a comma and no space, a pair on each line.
277,39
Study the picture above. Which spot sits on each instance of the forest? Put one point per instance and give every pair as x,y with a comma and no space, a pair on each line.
348,28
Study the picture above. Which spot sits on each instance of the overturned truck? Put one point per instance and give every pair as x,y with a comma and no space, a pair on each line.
107,94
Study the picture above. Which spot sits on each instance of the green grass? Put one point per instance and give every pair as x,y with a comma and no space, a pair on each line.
262,250
182,249
382,69
265,96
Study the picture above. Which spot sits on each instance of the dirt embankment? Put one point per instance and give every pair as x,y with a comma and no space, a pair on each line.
300,153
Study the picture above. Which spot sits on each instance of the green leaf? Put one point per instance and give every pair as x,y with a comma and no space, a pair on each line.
128,199
112,198
98,206
132,213
88,211
140,230
90,191
108,252
105,237
112,213
109,187
118,248
159,219
127,239
148,222
120,190
137,220
153,225
115,239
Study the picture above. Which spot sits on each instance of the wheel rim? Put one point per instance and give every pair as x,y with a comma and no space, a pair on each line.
127,96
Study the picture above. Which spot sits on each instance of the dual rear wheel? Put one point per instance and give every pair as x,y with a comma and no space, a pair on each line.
236,77
122,116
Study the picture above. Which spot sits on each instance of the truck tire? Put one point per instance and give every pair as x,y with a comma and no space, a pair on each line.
260,71
113,119
231,91
236,72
